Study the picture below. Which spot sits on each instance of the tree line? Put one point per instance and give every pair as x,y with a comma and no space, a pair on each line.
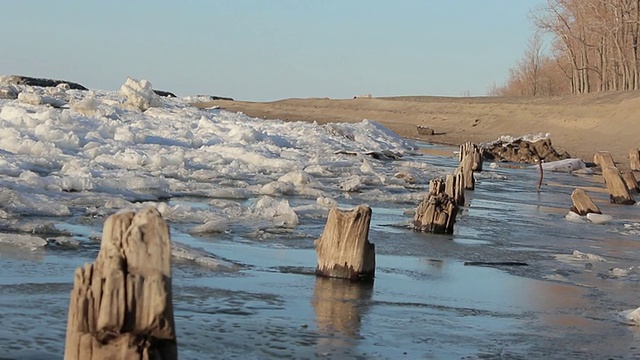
592,46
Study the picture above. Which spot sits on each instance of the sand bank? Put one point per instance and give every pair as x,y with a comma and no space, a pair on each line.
580,124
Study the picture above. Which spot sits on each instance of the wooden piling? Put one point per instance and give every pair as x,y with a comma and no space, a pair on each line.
618,191
437,212
343,249
582,203
630,180
121,305
473,151
466,169
634,159
604,160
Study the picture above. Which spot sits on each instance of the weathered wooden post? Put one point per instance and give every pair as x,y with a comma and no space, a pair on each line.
603,159
455,187
634,159
582,203
343,249
121,306
618,191
465,168
437,212
473,151
630,181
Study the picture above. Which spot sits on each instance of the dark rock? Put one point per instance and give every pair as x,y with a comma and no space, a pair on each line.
214,98
522,151
164,93
26,80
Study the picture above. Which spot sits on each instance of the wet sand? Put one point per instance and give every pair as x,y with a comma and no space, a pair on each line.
580,125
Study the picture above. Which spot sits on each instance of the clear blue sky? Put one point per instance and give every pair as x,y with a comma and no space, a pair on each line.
269,49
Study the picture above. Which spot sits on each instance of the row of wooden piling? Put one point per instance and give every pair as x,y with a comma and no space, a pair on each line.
121,305
437,212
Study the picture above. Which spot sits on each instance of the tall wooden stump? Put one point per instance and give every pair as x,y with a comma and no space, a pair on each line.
634,159
582,203
473,151
466,169
603,159
344,250
630,181
455,187
437,212
618,192
121,305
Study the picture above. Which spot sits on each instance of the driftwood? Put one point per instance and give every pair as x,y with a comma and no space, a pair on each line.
582,203
603,159
630,180
343,249
634,159
618,192
121,305
473,151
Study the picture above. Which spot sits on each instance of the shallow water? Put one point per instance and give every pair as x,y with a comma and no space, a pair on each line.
424,303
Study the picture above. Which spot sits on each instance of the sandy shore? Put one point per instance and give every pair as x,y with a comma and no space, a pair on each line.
580,125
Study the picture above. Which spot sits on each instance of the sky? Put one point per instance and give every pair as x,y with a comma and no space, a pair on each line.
263,50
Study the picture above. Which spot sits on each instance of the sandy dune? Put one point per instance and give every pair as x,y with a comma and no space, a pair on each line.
580,125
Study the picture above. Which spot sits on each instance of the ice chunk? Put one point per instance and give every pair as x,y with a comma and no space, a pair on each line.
585,256
297,177
599,218
352,183
631,317
278,211
86,106
212,226
573,217
23,241
139,94
276,188
200,257
36,99
30,98
326,202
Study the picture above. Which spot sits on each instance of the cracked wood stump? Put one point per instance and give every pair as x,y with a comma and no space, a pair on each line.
121,306
343,249
634,159
618,191
604,160
437,212
630,179
472,151
582,203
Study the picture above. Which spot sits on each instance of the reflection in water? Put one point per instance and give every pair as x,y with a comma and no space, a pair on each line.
339,306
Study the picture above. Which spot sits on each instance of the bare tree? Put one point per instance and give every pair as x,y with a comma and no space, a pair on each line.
594,47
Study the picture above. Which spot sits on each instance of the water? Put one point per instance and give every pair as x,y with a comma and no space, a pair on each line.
424,303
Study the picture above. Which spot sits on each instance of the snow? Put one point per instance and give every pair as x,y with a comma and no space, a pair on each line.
68,152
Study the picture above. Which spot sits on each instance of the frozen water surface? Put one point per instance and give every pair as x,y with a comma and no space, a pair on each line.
245,199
